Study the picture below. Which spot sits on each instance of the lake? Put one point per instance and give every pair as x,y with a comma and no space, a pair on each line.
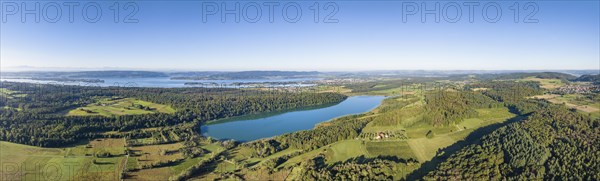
166,82
253,127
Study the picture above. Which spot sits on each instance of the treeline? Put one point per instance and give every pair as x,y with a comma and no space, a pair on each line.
554,143
40,119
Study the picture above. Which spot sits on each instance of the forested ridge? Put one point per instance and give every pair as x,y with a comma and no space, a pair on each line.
39,117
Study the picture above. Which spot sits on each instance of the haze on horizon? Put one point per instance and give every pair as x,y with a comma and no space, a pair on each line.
370,36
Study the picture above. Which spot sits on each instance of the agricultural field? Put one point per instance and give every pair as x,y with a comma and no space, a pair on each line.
401,90
10,94
546,83
22,162
120,106
400,149
331,88
587,104
418,146
150,162
98,159
151,154
339,152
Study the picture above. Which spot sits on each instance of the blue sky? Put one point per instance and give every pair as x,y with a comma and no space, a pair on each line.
171,35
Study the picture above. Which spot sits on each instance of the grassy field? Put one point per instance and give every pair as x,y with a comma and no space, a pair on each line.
330,88
417,146
400,149
302,157
546,83
486,117
425,149
80,162
23,162
402,90
339,152
577,101
147,155
156,153
120,106
10,94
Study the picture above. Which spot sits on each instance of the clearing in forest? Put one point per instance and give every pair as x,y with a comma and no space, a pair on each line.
120,106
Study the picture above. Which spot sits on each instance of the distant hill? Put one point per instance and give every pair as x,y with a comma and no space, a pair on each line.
541,75
588,78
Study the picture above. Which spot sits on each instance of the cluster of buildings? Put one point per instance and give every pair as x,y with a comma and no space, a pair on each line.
577,89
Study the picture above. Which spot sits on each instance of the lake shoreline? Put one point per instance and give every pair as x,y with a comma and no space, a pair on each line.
246,130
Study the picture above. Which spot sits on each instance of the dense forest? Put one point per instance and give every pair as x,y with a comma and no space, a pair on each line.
554,143
39,117
450,107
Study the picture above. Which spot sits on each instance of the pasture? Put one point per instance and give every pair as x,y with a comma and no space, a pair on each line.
546,83
120,106
23,162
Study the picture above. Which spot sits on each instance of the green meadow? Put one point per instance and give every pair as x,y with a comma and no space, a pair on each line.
22,162
120,106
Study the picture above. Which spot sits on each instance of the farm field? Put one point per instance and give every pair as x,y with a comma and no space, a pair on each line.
546,83
99,159
417,146
73,163
577,101
400,149
120,106
149,162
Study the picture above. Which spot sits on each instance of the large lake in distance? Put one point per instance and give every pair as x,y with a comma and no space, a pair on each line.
253,127
164,82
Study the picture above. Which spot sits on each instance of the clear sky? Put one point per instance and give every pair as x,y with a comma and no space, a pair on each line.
368,35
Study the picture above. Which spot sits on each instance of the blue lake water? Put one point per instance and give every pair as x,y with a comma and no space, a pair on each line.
248,128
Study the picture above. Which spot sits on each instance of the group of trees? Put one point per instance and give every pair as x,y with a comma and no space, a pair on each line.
264,148
41,119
